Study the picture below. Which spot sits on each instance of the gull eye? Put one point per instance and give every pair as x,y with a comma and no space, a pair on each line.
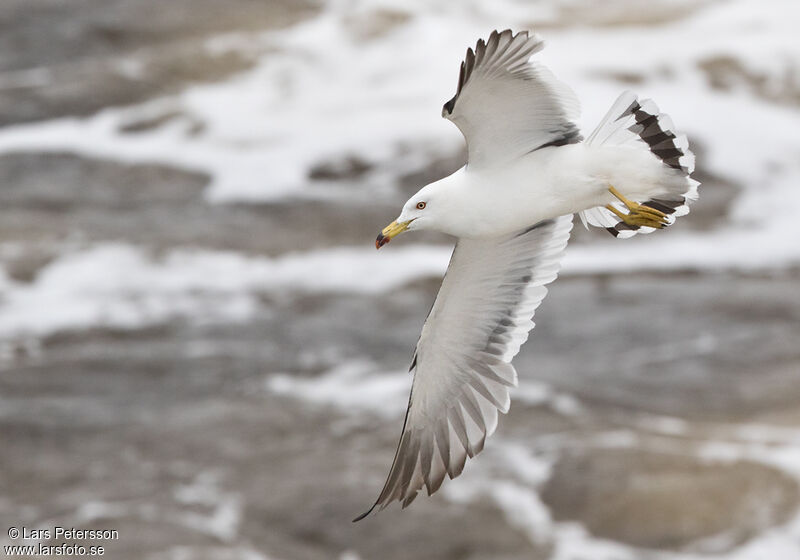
420,206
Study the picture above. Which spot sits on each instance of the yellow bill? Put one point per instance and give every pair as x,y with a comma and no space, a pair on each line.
390,232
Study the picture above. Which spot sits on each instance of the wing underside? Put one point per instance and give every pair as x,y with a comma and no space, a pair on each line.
507,106
462,365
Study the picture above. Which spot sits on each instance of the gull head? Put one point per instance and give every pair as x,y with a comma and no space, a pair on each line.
424,210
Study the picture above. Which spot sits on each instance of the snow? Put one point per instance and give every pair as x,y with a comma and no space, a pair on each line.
266,127
331,87
118,285
353,386
124,286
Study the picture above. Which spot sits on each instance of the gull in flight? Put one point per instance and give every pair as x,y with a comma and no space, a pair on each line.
528,171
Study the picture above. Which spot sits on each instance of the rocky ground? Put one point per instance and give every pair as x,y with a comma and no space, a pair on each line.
169,434
651,403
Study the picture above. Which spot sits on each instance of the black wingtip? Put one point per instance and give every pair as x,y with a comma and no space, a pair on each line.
363,515
447,108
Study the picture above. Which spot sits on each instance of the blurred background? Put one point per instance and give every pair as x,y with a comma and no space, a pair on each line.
201,348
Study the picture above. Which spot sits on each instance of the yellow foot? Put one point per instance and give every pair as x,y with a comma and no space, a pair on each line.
638,215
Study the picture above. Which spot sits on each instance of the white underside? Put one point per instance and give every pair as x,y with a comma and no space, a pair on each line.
551,182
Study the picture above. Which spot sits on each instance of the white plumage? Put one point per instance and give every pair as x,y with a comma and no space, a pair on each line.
511,207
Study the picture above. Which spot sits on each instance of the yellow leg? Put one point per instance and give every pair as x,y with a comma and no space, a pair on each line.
637,215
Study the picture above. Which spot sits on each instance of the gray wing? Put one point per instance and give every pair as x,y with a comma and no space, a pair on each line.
462,365
506,106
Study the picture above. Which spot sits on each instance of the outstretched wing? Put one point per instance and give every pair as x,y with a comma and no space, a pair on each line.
506,106
462,365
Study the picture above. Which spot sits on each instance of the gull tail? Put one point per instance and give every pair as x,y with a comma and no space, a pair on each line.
634,122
